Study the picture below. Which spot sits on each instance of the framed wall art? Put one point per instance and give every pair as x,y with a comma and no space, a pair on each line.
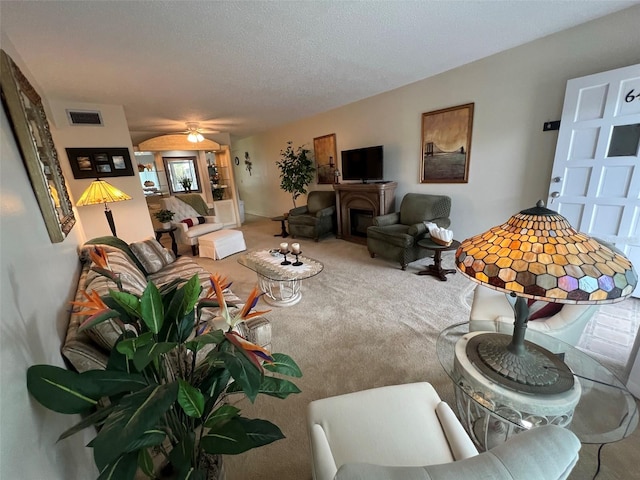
446,145
324,150
100,162
29,122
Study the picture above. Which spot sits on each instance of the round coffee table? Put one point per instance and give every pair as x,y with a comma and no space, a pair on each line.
436,269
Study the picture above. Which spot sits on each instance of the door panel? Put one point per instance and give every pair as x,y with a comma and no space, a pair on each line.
597,159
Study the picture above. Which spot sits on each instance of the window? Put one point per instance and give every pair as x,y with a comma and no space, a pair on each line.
182,174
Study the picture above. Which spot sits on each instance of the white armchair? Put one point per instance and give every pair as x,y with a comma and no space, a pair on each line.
405,432
189,234
492,312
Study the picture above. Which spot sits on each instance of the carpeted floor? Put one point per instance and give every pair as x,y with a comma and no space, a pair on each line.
363,323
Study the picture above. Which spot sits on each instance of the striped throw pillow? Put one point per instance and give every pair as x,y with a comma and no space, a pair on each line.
152,254
191,221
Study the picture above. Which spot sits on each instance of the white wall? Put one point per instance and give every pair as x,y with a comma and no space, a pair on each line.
131,217
37,278
514,92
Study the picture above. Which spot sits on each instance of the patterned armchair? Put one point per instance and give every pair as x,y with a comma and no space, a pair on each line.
395,235
316,218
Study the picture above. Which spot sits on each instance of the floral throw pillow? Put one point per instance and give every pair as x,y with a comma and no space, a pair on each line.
152,254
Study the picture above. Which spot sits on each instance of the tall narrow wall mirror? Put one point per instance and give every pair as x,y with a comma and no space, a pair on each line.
31,130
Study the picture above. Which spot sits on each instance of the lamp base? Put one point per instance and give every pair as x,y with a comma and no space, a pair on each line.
531,370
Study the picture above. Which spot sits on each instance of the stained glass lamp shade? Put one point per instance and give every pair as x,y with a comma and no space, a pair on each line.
537,255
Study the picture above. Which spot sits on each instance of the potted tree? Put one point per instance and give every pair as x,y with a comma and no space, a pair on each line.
296,170
164,217
168,381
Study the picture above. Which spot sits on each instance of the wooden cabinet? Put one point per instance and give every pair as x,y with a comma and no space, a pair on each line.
358,203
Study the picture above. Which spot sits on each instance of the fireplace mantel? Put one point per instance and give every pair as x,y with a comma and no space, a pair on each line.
358,203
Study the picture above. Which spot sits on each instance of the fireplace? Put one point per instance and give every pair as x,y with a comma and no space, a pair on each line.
358,203
359,220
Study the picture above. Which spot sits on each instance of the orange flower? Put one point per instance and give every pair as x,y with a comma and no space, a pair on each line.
94,303
99,257
253,352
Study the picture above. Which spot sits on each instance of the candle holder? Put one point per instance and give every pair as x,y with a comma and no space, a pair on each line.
297,263
285,261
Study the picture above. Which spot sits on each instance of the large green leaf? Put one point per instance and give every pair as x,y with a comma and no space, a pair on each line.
186,325
200,341
151,308
239,435
98,319
221,414
95,418
114,305
272,386
123,468
145,462
128,302
135,414
150,352
190,399
182,453
214,384
150,438
129,346
283,364
244,372
192,291
65,391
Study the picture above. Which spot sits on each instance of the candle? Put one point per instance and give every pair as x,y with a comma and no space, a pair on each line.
295,248
283,247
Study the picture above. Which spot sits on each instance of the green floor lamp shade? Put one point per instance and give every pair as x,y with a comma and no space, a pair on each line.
100,191
537,255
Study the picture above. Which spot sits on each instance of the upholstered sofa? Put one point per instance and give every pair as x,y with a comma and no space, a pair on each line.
191,219
137,263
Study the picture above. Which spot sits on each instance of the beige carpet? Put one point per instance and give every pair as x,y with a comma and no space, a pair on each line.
361,323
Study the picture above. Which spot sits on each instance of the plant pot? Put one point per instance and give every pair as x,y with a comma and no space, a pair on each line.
166,225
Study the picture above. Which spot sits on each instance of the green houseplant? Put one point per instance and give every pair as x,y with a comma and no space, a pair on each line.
296,170
186,183
166,387
164,216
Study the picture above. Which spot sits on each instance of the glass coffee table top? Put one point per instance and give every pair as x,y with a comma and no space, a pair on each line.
269,265
605,412
280,283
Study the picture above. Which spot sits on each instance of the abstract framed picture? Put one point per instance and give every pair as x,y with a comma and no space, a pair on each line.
446,145
100,162
324,150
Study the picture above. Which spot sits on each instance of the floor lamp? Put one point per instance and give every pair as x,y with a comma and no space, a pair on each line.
100,191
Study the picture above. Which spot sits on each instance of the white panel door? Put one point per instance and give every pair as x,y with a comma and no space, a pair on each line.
595,182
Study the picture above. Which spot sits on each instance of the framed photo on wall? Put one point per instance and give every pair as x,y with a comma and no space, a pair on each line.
324,150
100,162
446,145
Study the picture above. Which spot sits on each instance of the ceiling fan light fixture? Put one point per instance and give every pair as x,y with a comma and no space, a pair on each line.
194,136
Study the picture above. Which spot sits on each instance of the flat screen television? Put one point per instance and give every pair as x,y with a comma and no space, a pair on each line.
362,164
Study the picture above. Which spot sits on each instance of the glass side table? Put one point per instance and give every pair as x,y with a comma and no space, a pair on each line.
599,409
280,283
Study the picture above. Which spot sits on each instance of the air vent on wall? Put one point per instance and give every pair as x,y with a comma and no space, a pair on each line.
84,117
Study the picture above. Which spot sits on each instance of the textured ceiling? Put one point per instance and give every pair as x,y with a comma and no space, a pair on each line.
241,67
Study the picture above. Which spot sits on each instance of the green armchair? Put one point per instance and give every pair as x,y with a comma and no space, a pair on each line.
395,235
316,218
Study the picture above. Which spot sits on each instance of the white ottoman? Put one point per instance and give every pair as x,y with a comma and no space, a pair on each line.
221,244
